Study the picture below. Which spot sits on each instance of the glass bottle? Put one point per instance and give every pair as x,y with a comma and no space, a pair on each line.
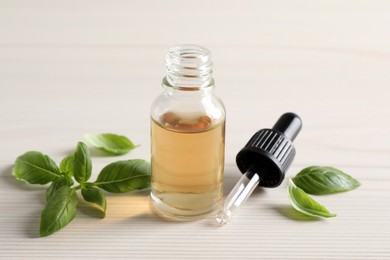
187,138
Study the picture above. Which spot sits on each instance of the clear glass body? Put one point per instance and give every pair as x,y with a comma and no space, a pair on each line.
187,138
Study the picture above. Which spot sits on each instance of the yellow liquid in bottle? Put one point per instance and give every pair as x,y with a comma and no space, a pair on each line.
187,166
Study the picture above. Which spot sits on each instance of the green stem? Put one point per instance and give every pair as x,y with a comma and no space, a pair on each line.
84,185
77,187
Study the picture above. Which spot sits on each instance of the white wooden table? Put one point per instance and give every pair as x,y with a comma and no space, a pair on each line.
74,67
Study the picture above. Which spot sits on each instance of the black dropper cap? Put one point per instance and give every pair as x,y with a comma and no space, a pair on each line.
270,152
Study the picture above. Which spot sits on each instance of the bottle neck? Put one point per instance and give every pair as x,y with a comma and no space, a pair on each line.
188,67
187,92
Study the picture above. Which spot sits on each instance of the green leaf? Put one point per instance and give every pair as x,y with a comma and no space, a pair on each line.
97,197
110,143
66,165
35,168
57,184
324,180
305,204
82,166
60,210
124,176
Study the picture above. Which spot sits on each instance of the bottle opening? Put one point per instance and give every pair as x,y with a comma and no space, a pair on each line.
189,67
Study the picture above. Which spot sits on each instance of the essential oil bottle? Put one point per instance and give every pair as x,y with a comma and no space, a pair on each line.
187,138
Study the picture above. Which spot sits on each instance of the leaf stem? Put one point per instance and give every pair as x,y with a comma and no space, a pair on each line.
78,187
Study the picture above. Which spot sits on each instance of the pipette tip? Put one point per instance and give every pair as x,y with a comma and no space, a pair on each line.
223,217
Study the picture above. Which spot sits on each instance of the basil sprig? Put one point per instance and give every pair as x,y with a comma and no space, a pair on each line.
60,210
118,177
36,168
305,204
317,180
82,165
122,176
110,143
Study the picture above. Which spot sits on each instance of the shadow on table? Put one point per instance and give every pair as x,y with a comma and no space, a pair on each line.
32,221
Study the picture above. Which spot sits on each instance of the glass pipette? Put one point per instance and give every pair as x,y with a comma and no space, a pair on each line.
263,161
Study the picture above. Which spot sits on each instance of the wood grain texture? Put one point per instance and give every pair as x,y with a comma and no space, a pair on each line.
74,67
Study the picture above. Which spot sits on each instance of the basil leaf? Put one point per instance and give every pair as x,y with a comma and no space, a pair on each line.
96,196
110,143
60,210
324,180
124,176
35,168
57,184
305,204
82,165
66,165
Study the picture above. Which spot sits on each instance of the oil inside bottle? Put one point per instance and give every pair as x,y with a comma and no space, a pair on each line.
187,165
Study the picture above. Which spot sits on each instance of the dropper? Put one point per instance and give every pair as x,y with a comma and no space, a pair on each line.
263,161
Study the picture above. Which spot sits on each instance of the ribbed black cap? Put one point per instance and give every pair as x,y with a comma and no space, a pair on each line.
270,152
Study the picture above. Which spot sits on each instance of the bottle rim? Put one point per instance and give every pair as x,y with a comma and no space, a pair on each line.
188,66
